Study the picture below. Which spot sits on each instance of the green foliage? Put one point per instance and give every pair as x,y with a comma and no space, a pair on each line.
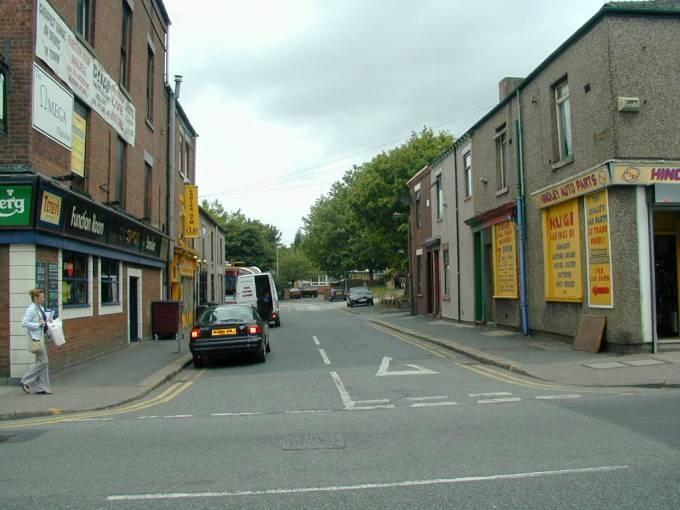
247,240
293,265
355,225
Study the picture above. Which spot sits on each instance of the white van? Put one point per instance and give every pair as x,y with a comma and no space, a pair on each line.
259,290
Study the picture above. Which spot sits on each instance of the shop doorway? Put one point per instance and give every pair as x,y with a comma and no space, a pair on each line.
436,310
133,307
666,271
430,284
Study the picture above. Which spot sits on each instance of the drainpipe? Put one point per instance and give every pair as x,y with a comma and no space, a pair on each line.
521,223
172,120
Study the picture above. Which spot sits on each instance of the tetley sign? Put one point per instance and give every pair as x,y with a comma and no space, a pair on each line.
15,204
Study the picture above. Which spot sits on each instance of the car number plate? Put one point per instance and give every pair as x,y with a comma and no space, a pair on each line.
226,331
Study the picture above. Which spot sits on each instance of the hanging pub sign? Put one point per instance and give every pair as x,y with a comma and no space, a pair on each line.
562,252
504,260
598,249
192,222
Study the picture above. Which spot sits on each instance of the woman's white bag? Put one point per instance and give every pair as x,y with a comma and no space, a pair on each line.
56,332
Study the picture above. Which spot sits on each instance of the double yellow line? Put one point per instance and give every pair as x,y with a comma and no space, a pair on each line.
403,337
172,392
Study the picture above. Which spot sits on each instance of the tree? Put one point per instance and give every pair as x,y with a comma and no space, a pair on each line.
293,265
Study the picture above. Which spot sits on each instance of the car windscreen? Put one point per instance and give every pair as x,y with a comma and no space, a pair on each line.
359,290
226,314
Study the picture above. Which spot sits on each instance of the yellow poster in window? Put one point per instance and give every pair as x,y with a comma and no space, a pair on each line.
562,252
600,292
192,222
78,137
504,260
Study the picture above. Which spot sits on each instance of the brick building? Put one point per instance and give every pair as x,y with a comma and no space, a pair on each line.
422,267
84,201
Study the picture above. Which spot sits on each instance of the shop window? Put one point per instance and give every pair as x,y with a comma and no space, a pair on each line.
110,282
74,279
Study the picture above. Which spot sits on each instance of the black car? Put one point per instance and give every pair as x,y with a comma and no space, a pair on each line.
337,293
359,296
227,329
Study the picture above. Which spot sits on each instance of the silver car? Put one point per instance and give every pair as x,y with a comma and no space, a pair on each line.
359,296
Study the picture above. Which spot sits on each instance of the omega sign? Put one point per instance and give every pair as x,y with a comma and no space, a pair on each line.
52,108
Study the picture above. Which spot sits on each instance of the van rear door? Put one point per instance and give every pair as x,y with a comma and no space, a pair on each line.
245,290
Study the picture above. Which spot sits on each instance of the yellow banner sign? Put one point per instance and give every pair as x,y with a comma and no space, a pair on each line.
600,292
78,137
647,173
192,222
562,253
50,209
504,261
574,187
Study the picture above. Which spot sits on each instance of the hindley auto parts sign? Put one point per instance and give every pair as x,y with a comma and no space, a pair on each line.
15,205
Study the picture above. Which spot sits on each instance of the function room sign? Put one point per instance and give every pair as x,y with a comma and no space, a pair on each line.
562,252
599,251
504,261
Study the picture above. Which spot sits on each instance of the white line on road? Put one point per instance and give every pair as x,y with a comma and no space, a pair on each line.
316,340
557,397
344,394
235,414
499,400
310,411
378,401
89,419
435,397
434,404
324,357
386,485
179,416
497,394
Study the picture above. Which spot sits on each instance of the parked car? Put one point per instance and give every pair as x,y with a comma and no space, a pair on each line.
227,329
359,296
294,293
309,291
337,294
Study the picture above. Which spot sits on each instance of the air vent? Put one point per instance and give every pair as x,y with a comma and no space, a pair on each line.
629,104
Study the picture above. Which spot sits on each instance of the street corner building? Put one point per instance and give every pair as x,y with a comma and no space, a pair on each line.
86,158
563,201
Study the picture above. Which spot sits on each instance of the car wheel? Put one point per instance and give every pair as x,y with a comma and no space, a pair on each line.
269,348
277,323
198,362
262,353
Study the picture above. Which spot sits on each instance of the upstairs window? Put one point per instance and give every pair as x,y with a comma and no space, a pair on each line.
467,166
126,36
3,94
418,210
84,19
150,70
501,157
446,272
148,191
118,179
440,196
563,114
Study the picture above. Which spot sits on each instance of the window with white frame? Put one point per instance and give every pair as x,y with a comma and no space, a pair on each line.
84,19
467,166
74,279
440,196
501,157
125,43
563,113
110,282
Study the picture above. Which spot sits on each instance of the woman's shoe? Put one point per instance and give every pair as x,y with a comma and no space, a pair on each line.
25,388
43,392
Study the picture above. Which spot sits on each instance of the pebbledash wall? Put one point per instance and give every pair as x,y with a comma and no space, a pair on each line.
91,170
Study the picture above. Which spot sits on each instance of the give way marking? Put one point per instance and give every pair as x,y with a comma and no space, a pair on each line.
417,369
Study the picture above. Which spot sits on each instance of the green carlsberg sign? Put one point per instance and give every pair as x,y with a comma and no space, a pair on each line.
15,205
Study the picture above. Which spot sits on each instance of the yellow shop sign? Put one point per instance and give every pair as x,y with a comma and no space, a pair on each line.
581,184
640,174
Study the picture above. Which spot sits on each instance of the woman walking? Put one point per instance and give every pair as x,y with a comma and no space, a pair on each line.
37,379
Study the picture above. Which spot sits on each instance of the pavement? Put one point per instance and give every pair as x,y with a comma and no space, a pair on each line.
539,356
131,373
107,381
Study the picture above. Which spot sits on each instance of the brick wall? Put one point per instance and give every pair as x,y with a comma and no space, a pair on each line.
4,312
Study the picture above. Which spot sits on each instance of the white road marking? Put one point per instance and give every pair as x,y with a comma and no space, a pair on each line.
179,416
436,397
557,397
385,485
147,417
384,369
378,401
434,404
324,357
497,394
499,400
235,414
344,395
310,411
316,340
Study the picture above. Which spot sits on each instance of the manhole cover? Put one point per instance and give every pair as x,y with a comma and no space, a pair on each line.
313,442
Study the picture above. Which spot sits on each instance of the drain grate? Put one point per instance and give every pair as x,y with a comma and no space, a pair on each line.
314,442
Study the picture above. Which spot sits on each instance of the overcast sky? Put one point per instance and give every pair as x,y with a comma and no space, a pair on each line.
287,95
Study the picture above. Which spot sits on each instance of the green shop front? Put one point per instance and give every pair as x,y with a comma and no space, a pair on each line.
100,270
